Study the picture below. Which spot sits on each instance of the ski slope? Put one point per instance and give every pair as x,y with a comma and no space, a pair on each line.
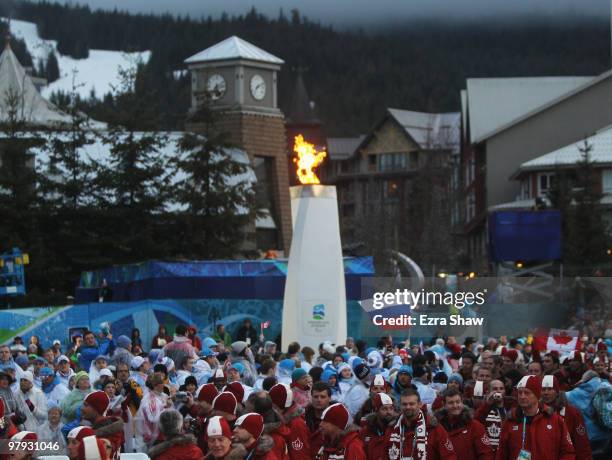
100,71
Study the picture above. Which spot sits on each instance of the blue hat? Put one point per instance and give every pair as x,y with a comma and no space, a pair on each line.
345,356
405,369
327,374
357,361
287,364
298,374
46,372
239,367
207,352
456,378
209,342
124,341
22,360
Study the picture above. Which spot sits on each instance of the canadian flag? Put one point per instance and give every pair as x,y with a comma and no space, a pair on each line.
561,340
265,325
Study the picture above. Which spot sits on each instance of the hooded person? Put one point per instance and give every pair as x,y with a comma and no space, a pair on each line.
52,387
284,370
378,385
374,426
403,380
346,378
123,352
250,440
359,392
583,396
73,401
466,433
31,402
176,445
51,431
553,397
147,418
340,437
533,430
63,370
241,353
95,406
416,435
298,438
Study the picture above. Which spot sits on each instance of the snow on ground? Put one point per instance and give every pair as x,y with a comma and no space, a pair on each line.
100,71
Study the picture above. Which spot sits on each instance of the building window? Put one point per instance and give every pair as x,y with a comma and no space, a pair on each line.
545,182
606,180
391,189
470,206
392,161
414,160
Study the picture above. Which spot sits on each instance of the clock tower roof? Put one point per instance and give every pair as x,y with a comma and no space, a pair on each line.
234,48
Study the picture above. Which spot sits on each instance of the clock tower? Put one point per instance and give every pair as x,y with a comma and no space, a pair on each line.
240,80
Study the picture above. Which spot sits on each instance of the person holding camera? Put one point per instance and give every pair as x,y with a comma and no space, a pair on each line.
493,412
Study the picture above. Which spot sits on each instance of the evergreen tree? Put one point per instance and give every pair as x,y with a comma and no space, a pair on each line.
587,237
52,71
218,200
134,183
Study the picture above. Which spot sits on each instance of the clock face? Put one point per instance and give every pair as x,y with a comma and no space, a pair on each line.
258,87
216,86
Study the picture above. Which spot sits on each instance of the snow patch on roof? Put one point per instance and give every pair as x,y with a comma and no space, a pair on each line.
234,48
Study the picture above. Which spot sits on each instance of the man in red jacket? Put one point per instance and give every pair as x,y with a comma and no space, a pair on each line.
340,438
249,434
298,441
175,445
534,431
94,410
321,400
417,436
373,432
219,438
493,412
467,435
574,421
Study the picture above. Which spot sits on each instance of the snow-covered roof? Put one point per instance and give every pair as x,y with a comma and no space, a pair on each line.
431,130
601,152
97,151
234,48
342,148
31,107
495,103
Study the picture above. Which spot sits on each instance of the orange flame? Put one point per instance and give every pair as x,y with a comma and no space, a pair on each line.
307,159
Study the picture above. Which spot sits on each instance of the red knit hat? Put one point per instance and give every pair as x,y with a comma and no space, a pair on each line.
533,383
510,353
282,395
550,381
207,392
218,426
601,346
25,436
381,399
225,402
337,415
92,448
220,375
98,400
252,422
236,389
80,432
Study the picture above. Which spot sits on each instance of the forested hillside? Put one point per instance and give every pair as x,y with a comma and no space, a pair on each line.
352,75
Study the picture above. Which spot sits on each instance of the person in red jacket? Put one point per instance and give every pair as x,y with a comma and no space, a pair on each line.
340,438
176,445
219,438
321,400
493,412
533,430
94,410
249,435
298,439
574,421
373,432
416,431
467,435
260,402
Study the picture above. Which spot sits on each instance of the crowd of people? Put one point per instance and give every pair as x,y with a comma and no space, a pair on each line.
192,397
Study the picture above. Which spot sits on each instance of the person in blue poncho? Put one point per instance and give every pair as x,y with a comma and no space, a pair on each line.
330,377
403,380
582,398
92,348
